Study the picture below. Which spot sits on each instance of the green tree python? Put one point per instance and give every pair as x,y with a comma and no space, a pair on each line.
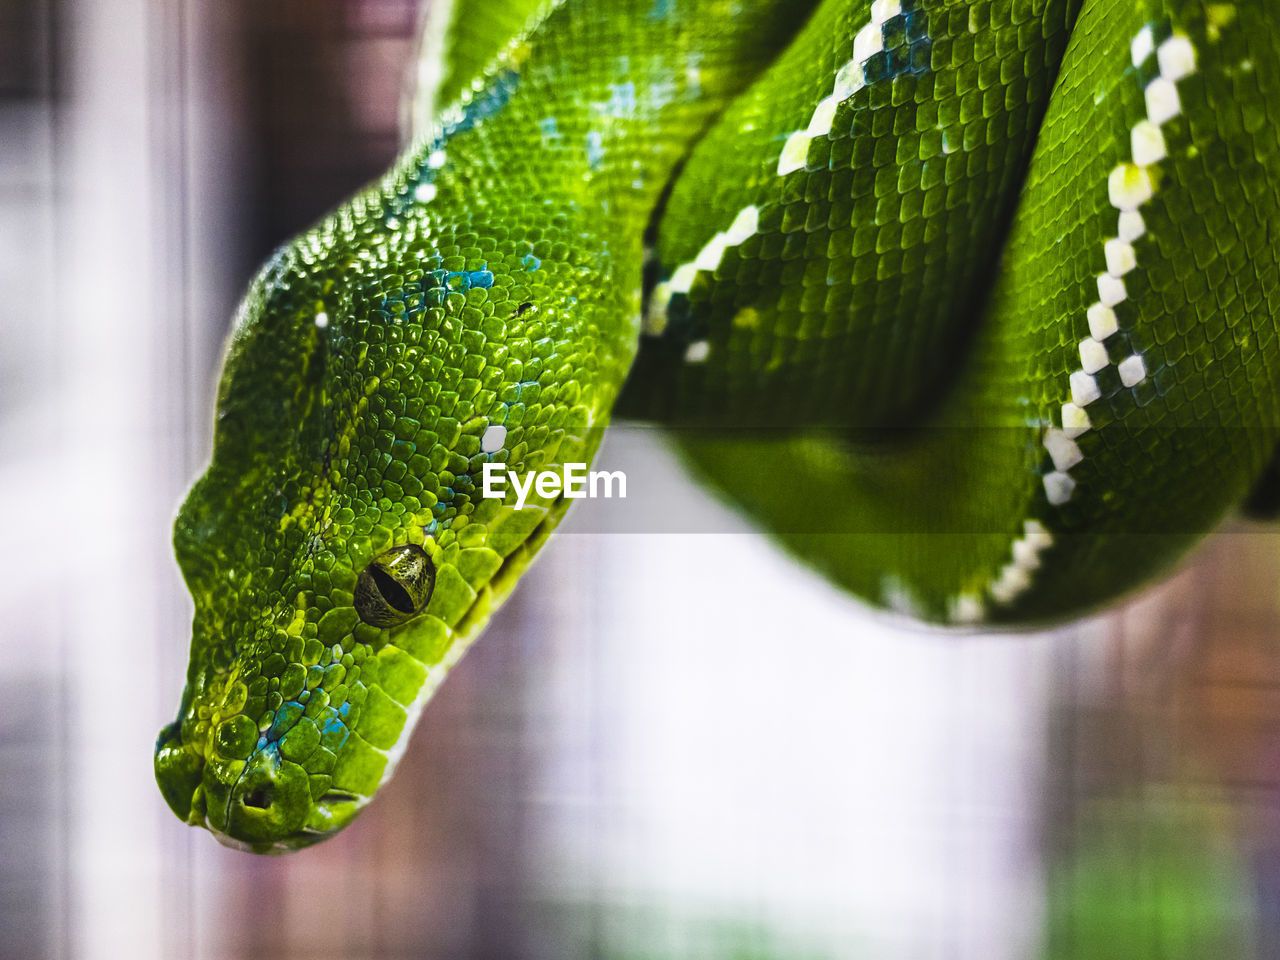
971,303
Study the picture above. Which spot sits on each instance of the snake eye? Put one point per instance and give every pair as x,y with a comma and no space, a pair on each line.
395,586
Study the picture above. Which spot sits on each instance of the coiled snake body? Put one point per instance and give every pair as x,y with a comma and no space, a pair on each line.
972,304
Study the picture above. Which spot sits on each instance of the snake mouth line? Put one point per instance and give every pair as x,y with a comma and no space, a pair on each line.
338,796
340,805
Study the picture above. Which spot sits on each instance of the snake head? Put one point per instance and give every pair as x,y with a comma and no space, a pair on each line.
338,549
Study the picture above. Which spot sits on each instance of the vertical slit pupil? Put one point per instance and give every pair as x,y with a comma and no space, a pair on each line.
395,595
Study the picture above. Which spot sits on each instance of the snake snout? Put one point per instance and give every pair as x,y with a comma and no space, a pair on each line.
266,804
262,804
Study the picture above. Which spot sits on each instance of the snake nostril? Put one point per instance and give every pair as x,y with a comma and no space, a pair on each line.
259,797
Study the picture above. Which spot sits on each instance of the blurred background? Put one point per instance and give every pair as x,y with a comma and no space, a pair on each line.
666,746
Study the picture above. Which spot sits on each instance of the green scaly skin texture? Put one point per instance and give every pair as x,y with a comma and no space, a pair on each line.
927,521
859,284
491,280
927,259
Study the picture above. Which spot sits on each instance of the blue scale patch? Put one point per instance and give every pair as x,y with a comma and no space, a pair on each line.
438,283
286,716
595,150
908,49
622,100
486,103
334,733
483,105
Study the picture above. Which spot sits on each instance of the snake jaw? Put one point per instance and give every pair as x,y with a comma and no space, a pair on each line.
179,771
262,804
